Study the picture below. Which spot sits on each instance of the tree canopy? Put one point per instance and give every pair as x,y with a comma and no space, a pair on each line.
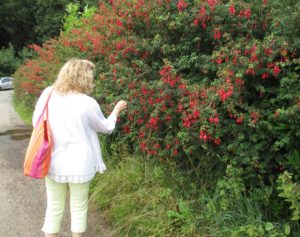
23,22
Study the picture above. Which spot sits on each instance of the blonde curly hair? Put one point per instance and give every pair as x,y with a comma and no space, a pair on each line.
76,75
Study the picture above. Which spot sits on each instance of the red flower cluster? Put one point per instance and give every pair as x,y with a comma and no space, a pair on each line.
276,71
214,120
190,119
217,34
224,94
232,9
166,76
153,123
204,135
212,4
254,116
181,5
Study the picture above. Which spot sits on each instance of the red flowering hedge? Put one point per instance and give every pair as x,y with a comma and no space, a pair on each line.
208,78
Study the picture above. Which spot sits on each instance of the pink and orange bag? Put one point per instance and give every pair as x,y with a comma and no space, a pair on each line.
38,155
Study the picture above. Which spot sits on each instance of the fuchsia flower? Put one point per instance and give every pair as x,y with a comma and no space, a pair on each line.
214,120
168,118
219,60
126,129
276,71
223,94
232,9
143,146
239,120
250,71
203,135
217,141
196,113
247,13
212,4
202,11
119,23
186,122
264,75
181,5
254,116
217,35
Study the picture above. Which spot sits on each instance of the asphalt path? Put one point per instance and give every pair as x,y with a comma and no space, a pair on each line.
22,199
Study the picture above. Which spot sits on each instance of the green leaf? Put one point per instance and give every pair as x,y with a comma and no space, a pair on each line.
269,226
287,229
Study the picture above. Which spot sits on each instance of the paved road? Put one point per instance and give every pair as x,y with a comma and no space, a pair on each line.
22,199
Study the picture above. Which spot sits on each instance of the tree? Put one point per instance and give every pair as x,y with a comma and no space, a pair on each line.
16,23
8,61
23,22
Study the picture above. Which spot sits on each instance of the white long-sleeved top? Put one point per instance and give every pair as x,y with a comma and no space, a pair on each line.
75,120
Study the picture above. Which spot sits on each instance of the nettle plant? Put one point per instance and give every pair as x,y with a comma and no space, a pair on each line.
202,78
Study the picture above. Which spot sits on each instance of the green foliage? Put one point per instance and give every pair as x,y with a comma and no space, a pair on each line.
23,111
264,229
48,16
8,61
16,23
135,197
33,21
144,198
74,18
291,193
228,190
183,217
26,54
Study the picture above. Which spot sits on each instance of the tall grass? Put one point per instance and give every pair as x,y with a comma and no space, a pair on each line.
24,112
134,197
141,198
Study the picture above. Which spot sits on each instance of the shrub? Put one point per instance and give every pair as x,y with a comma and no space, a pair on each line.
203,78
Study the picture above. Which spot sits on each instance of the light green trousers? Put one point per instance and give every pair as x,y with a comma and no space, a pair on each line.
56,199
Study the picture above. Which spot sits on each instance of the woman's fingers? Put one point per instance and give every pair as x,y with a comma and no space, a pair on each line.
121,105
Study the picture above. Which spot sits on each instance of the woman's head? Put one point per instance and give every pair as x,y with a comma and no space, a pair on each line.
76,75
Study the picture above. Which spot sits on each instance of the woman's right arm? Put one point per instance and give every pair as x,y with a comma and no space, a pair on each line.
99,123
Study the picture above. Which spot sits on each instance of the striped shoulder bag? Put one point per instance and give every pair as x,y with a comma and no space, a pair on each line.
38,155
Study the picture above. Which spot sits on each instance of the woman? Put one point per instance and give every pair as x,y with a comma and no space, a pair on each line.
75,119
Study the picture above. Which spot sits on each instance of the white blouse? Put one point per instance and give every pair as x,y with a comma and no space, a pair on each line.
75,120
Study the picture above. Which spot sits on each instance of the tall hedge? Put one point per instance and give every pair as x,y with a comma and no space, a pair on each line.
214,81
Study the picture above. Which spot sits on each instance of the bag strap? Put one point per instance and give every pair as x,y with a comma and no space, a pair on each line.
45,115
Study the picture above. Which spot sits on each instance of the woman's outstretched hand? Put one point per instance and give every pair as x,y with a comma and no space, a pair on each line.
120,106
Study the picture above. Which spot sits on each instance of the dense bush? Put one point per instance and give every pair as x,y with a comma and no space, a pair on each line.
210,83
207,79
203,78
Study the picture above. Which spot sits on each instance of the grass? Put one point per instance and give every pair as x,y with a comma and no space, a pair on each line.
24,112
132,200
141,198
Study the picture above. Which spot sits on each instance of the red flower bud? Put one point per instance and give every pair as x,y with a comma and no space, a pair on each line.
217,141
